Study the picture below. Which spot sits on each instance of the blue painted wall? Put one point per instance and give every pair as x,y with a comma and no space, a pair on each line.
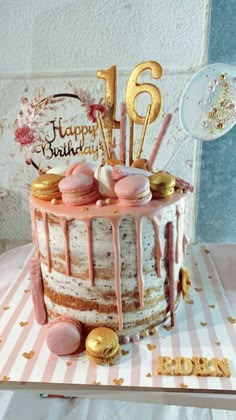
216,216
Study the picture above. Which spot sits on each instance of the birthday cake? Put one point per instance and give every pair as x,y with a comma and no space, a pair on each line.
112,265
110,237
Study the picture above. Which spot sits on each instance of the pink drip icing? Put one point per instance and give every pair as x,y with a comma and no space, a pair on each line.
157,247
138,222
177,235
46,232
185,241
64,225
37,291
90,251
170,256
34,231
116,243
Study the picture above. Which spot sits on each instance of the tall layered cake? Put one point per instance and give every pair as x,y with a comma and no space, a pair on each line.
110,237
112,263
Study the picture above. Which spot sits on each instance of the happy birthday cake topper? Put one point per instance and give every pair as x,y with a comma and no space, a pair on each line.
49,125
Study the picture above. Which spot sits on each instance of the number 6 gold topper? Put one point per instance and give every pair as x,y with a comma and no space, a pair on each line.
134,89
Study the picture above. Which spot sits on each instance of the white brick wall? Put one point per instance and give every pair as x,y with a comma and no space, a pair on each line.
48,43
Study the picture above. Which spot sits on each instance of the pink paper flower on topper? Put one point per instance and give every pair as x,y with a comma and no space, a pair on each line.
24,135
93,109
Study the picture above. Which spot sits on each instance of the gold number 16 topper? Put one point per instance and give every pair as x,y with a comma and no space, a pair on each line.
133,90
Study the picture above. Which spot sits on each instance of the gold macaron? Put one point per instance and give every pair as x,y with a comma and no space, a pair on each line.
102,346
162,184
45,187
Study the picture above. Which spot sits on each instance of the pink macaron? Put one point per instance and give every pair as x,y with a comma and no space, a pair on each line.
78,190
133,191
64,335
81,168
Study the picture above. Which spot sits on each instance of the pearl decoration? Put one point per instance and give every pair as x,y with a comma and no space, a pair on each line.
126,339
144,333
108,201
99,203
135,338
54,201
154,330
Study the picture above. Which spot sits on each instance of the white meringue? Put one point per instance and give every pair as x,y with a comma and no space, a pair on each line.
106,185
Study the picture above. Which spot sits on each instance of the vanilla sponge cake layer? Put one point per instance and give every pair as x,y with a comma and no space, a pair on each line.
112,266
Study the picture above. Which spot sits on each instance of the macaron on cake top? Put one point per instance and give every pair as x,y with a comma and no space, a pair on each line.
133,191
162,184
82,167
45,187
102,346
78,189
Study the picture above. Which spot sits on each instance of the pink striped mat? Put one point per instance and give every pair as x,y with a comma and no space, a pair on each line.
205,327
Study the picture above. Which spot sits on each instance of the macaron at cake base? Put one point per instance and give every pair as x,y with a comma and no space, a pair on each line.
102,346
64,336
